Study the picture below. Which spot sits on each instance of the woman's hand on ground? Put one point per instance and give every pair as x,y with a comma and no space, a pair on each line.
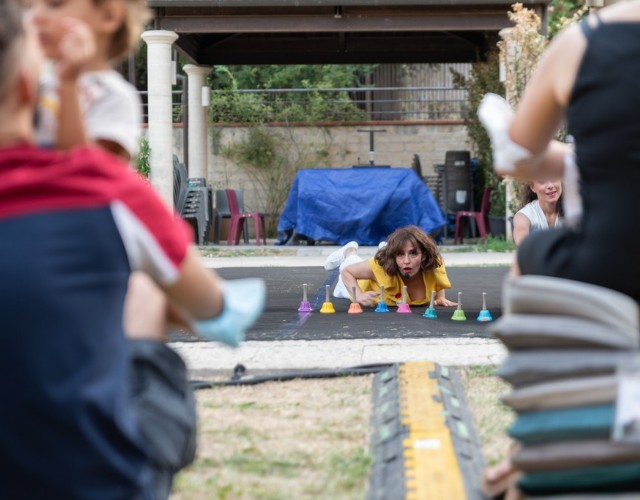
368,299
443,301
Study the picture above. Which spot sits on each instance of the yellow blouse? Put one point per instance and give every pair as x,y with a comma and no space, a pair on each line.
433,280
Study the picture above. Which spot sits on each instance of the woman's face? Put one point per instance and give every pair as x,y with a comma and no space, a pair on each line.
408,260
547,191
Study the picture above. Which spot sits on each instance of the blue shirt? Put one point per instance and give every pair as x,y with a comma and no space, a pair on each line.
72,227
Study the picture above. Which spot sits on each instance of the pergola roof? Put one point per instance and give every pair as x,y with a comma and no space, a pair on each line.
340,31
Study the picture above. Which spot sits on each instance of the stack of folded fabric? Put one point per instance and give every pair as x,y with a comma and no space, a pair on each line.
566,342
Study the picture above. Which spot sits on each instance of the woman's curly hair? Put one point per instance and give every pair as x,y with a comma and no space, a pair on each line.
386,256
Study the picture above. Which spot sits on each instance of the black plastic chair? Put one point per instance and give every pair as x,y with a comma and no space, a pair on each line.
457,184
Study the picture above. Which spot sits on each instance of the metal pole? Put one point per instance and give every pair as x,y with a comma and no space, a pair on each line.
372,147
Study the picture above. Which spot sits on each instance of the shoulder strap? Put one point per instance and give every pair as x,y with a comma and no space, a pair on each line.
586,26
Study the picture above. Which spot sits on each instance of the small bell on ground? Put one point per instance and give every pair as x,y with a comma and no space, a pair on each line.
354,308
484,314
305,306
431,310
403,307
458,314
327,307
382,305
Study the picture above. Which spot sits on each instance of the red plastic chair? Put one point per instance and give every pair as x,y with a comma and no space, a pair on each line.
481,218
236,227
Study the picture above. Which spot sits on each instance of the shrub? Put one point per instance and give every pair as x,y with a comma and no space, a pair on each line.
142,161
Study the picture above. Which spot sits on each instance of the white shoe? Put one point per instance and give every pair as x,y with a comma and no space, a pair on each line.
381,245
340,291
335,259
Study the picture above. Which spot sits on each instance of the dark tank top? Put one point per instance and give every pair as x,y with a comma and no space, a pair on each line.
604,119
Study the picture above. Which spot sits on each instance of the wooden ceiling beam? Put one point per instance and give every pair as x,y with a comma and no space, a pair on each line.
339,50
434,21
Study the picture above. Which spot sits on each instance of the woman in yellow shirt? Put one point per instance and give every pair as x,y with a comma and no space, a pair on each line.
409,258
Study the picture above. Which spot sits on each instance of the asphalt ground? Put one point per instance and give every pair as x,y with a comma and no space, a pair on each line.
282,322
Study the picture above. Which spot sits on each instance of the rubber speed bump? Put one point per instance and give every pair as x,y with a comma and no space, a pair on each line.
423,440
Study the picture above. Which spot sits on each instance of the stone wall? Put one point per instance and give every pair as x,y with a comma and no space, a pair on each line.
329,146
321,147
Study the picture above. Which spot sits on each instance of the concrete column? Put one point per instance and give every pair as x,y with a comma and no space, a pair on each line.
509,184
159,77
198,120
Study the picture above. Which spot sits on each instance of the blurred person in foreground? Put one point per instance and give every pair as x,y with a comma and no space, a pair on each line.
588,78
88,412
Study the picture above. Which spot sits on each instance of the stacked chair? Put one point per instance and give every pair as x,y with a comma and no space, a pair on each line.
567,344
192,198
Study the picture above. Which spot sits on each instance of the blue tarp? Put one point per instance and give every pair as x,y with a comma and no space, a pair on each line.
362,204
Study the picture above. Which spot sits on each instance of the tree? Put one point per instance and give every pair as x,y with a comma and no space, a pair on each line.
529,44
484,77
318,102
520,50
290,77
562,13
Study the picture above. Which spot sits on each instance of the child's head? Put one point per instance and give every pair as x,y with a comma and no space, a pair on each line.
116,24
11,36
127,37
20,55
421,241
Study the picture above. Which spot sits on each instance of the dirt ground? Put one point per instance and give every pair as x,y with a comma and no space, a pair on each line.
307,439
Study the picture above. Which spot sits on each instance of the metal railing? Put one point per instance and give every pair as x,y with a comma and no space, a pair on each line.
335,104
178,101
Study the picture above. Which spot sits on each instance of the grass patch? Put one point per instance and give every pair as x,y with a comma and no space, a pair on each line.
492,418
309,439
302,439
497,244
245,252
253,462
493,244
344,473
